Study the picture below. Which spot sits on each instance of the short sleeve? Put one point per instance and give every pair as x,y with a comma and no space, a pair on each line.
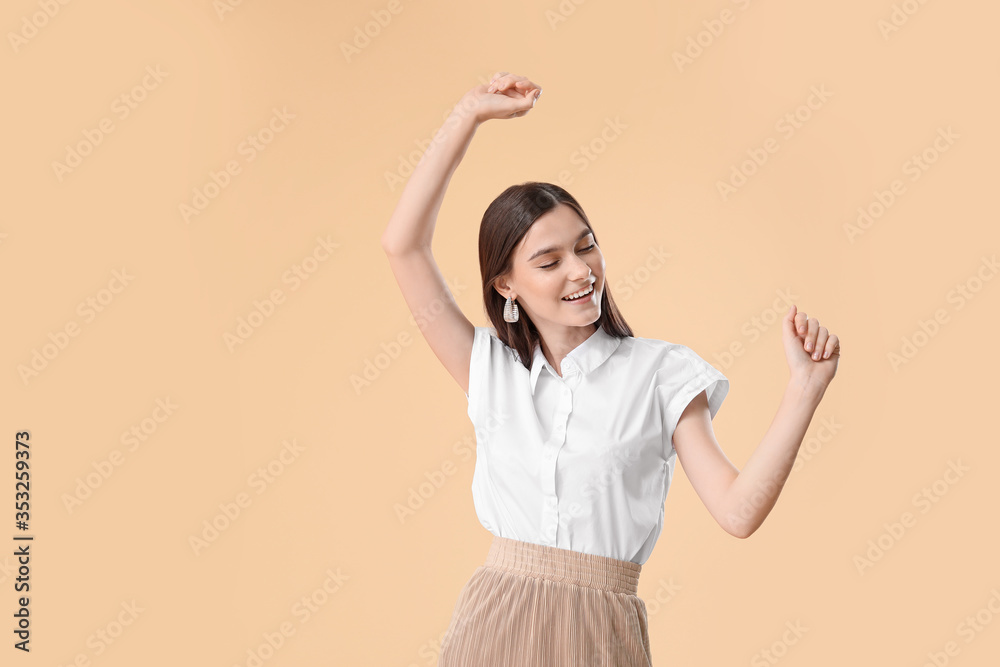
479,364
686,375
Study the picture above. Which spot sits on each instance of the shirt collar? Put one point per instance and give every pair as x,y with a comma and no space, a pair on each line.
585,357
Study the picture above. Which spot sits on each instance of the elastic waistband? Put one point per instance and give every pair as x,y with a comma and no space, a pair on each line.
574,567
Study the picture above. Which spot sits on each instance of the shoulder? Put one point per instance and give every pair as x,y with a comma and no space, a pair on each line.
675,374
668,360
648,350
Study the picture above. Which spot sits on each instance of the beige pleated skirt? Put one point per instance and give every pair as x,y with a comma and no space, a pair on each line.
533,605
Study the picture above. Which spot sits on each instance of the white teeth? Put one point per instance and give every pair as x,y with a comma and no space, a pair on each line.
579,294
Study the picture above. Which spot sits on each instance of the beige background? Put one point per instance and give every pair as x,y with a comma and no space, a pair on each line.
884,432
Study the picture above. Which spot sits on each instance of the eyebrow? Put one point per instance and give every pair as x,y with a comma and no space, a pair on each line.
545,251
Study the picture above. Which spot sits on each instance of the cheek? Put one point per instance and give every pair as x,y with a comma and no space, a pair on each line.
598,268
545,288
596,262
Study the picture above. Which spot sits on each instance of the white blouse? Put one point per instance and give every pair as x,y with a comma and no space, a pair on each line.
582,461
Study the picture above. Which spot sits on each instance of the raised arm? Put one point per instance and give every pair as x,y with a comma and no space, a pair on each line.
407,238
740,500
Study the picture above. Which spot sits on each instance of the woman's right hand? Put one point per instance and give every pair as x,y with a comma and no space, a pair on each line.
507,96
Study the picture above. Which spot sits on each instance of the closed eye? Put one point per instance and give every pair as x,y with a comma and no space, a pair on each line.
549,266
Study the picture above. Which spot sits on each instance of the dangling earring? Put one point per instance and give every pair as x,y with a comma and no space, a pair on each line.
510,311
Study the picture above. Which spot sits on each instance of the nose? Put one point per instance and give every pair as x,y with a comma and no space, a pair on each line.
579,269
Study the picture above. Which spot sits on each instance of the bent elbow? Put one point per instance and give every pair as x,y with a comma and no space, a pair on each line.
386,244
740,529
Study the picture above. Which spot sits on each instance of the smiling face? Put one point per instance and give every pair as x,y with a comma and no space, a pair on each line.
557,257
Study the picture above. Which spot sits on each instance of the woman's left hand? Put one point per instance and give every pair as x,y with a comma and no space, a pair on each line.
811,350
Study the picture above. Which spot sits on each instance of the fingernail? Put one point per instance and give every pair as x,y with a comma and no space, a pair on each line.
809,346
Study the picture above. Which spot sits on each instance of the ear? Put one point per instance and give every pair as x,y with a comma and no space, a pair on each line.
503,287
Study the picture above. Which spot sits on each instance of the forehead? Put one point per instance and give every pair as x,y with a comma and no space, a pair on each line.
559,227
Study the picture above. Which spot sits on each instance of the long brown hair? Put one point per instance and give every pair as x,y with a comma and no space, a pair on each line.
505,222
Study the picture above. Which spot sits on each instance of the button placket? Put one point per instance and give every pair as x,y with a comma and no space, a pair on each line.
550,510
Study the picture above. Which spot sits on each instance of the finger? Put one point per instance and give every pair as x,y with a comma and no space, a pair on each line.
800,323
518,106
789,321
812,330
523,90
510,81
495,80
503,82
525,105
530,89
832,346
821,337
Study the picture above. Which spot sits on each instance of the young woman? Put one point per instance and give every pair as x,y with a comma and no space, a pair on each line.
578,422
